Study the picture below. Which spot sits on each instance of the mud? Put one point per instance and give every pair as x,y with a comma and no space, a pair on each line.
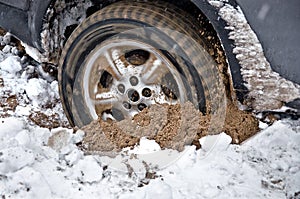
171,126
45,121
240,125
8,103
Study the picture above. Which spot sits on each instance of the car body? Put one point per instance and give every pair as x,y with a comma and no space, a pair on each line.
274,23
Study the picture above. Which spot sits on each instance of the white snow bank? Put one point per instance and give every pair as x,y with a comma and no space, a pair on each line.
266,166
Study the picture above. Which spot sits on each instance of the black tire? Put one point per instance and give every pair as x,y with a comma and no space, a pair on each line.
190,72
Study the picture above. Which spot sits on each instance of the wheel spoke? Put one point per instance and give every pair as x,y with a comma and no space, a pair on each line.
116,69
106,98
153,71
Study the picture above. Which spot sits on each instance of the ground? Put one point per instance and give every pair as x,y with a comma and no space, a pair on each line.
40,157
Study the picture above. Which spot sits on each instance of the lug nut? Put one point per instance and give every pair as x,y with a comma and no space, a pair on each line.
142,106
146,92
121,88
127,105
134,80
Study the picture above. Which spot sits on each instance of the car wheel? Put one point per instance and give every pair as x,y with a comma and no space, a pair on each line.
129,56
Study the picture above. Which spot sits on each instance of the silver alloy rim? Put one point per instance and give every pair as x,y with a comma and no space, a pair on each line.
123,77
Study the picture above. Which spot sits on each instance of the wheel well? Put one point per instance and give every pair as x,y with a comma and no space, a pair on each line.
63,16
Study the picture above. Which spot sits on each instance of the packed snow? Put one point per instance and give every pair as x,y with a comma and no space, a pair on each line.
38,162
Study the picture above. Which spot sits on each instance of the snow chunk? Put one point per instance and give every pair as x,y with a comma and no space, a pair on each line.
263,125
23,138
217,4
39,92
23,110
28,183
10,126
146,146
215,142
87,170
162,190
74,157
60,141
11,65
293,185
6,49
6,38
78,136
15,158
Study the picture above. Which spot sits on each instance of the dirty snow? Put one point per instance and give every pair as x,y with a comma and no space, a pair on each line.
37,162
24,80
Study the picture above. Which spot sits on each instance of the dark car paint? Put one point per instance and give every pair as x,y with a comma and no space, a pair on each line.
23,5
25,21
277,25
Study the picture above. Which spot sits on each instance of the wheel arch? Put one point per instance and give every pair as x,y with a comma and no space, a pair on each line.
195,8
211,13
235,80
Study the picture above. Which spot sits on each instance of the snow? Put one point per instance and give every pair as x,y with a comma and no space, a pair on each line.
87,170
11,64
38,162
40,92
146,146
268,163
33,94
